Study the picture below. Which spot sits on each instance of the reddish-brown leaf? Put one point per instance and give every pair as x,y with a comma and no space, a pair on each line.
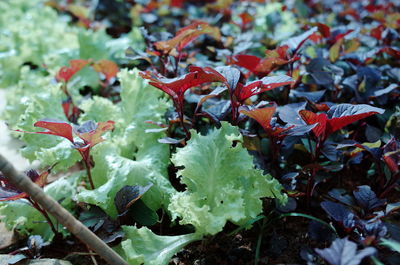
311,118
91,133
324,29
262,116
65,73
106,67
267,83
55,127
187,35
10,193
249,62
176,87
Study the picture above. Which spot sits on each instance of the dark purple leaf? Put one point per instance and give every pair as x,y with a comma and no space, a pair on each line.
300,130
289,113
341,196
94,218
321,71
290,206
113,237
216,92
128,195
339,213
329,151
375,228
372,133
344,252
314,96
231,74
370,75
320,232
366,198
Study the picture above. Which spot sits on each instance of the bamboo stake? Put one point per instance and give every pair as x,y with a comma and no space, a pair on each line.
23,183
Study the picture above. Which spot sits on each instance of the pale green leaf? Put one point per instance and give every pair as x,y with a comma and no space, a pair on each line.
222,183
142,246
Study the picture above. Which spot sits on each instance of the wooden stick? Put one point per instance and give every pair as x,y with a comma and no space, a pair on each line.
22,182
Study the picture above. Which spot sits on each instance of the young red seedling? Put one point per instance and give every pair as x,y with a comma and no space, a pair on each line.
90,133
336,118
176,87
275,133
107,68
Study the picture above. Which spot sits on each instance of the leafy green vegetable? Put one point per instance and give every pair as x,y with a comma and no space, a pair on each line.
222,183
46,148
32,32
131,156
143,246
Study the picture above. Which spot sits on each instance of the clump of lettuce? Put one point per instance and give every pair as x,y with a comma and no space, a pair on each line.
34,33
221,185
131,156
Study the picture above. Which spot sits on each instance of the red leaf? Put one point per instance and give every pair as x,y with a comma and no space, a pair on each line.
324,29
176,87
177,3
377,32
55,127
10,193
91,133
311,118
342,35
391,155
249,62
187,35
345,114
106,67
262,116
267,83
392,52
65,73
246,18
339,116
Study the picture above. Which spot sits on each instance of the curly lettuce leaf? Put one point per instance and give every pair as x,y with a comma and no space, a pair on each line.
222,183
26,220
48,149
130,156
112,172
36,34
142,246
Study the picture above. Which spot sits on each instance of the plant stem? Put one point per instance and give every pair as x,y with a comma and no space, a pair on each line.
182,121
89,173
66,219
45,215
259,241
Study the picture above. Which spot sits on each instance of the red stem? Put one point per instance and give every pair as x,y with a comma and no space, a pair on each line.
45,215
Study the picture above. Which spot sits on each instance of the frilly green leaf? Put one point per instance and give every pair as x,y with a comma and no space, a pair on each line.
222,183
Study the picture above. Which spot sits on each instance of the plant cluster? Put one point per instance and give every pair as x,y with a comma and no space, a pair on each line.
190,117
